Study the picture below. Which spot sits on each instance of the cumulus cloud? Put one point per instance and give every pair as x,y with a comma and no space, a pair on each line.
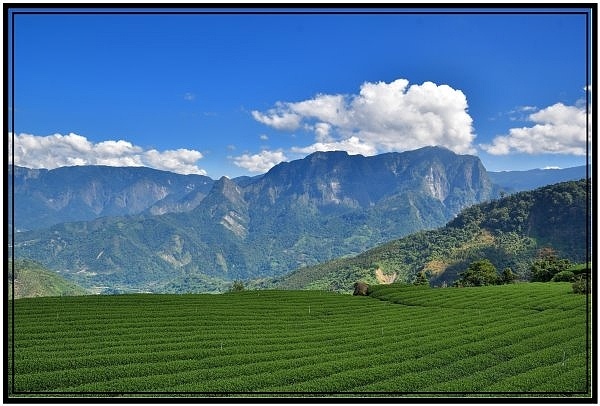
557,129
277,119
322,131
381,117
352,145
260,162
58,150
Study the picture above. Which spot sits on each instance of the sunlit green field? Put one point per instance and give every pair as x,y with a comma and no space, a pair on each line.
522,339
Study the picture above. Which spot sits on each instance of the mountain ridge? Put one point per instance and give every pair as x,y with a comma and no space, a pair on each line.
46,197
300,213
297,214
517,181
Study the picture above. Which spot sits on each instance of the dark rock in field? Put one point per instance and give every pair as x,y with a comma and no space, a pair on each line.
360,289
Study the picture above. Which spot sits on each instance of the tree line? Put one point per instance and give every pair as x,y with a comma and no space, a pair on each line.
546,267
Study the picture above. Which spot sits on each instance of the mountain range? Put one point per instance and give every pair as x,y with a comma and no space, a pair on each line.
517,181
46,197
154,231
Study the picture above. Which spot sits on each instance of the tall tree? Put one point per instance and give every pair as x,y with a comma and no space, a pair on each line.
421,279
547,264
479,273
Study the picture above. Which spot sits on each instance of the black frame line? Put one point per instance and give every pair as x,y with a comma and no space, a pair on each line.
299,9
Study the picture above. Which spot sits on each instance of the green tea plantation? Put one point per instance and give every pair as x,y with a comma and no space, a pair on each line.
528,339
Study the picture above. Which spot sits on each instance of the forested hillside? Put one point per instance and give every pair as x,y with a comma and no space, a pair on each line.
508,231
31,279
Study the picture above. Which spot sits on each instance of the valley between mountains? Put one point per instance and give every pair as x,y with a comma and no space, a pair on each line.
323,222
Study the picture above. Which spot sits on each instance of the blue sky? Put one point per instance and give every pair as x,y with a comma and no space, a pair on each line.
234,94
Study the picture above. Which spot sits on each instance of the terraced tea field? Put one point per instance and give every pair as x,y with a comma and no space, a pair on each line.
511,340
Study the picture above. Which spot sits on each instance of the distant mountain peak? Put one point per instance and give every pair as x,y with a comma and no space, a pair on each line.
227,188
328,154
48,197
225,194
435,148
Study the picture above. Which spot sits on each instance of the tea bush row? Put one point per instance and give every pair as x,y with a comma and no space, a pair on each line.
499,338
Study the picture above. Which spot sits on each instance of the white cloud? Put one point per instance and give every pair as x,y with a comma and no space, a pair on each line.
260,162
58,150
278,119
352,145
382,117
181,160
557,129
322,131
264,137
527,108
325,108
189,96
520,113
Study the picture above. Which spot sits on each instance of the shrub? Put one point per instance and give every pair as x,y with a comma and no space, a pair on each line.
237,286
547,264
508,276
421,279
579,269
479,273
581,285
563,276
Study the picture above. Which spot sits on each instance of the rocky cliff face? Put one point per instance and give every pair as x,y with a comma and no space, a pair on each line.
330,179
225,205
46,197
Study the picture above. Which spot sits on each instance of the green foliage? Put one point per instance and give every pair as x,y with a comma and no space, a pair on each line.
579,269
508,276
196,282
480,231
402,338
421,279
582,284
479,273
547,264
563,276
31,279
237,286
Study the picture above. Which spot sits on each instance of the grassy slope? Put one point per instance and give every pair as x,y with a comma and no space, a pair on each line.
510,340
33,280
